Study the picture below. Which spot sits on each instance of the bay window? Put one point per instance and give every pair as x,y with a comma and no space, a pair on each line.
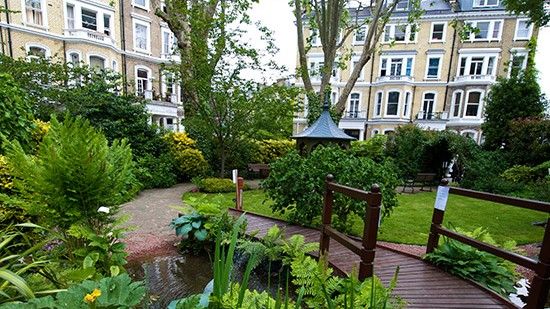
378,105
456,104
392,105
89,19
97,62
142,81
354,105
396,66
477,66
473,104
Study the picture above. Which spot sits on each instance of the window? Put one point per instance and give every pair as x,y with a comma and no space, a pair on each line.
378,106
432,71
166,43
394,66
107,24
360,35
438,32
141,36
402,5
314,39
34,13
407,104
428,106
485,3
399,33
354,105
518,62
89,19
361,74
393,103
142,81
477,66
74,59
469,134
455,107
70,17
523,30
375,132
97,62
473,103
35,52
114,65
141,3
486,30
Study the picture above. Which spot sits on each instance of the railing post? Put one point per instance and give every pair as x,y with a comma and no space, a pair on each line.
538,293
438,214
370,232
328,201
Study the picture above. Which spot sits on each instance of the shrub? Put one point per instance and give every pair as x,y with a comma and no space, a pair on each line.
372,148
215,185
518,173
467,262
156,172
296,184
6,182
179,141
270,150
74,173
190,163
16,117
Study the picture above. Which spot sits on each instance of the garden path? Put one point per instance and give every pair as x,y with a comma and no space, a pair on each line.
150,215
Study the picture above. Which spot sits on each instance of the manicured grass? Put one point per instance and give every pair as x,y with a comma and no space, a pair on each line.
410,221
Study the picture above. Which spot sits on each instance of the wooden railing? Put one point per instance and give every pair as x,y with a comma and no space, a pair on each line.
541,282
366,250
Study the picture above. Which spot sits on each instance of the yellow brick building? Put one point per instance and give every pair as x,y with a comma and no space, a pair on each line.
429,77
108,34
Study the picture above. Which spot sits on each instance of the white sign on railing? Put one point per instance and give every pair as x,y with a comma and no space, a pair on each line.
441,197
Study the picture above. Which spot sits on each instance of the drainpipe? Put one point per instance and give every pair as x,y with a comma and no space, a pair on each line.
123,47
449,71
7,8
370,92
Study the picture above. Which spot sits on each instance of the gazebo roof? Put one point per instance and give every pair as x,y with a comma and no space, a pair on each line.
324,128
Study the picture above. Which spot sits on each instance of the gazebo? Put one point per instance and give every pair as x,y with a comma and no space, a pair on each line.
322,132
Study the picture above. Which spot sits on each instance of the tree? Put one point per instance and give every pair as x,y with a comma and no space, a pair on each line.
537,10
219,102
333,21
516,97
16,120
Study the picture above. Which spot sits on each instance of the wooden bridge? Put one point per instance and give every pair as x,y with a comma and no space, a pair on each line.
419,284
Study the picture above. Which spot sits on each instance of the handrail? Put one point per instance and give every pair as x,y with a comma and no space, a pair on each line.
366,250
541,281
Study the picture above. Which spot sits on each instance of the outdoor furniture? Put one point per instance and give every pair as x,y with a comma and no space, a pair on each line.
420,180
259,168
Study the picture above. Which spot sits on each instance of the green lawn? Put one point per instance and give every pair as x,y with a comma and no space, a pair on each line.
410,221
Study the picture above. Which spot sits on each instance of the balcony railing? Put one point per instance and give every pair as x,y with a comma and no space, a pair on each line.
397,78
481,78
355,115
90,35
432,116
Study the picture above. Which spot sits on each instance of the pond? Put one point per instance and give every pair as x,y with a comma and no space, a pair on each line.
173,276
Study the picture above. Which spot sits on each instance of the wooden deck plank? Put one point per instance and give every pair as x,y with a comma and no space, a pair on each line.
419,284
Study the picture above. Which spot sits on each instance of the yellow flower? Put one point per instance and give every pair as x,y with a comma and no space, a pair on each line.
90,298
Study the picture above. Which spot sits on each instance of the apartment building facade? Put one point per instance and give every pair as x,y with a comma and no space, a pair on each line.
106,34
433,77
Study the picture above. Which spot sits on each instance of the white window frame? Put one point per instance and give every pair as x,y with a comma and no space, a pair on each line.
74,25
105,63
149,77
398,113
484,66
164,90
170,42
490,30
47,52
480,105
516,37
43,7
515,53
444,23
147,34
408,29
146,7
434,107
358,104
438,76
374,132
365,29
389,58
407,102
453,99
73,51
399,9
380,94
114,65
317,41
479,4
474,132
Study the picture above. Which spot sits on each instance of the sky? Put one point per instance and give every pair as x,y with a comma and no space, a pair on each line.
277,16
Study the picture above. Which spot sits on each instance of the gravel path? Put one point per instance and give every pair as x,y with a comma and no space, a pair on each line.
150,215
